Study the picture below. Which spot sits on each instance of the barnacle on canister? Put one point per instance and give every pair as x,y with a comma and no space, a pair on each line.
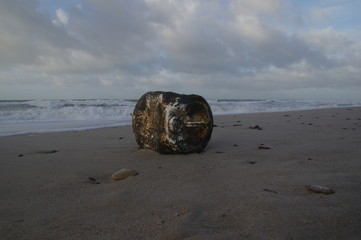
168,122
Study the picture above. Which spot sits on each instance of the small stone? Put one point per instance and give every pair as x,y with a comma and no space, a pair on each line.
124,173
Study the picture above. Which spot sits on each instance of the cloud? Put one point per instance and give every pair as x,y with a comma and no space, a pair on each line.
27,33
62,17
322,15
210,47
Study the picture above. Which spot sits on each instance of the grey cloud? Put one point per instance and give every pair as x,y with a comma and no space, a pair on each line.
216,46
26,33
121,30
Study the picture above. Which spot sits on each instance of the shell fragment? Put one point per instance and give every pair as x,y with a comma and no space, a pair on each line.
124,173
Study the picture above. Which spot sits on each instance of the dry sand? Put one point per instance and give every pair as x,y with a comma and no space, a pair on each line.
233,190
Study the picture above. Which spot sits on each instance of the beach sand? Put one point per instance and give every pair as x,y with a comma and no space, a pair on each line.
233,190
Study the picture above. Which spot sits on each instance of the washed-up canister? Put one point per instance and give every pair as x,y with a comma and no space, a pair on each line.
168,122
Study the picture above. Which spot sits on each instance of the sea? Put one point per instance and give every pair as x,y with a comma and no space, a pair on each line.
42,116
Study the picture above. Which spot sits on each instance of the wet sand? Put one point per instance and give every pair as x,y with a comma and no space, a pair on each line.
248,184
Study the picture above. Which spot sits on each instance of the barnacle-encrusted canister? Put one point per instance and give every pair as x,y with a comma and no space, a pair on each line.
168,122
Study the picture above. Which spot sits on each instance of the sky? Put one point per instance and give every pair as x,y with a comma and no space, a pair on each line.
245,49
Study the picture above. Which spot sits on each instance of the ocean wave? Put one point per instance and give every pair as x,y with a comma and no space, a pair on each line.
25,115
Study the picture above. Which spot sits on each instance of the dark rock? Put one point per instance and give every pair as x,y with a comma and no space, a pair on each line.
168,122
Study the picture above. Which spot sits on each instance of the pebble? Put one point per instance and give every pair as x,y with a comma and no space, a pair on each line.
124,173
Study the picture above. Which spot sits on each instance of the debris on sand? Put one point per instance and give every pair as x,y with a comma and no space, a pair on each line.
256,127
93,180
319,189
263,147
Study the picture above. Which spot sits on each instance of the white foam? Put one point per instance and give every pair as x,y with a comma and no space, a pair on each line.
65,110
62,126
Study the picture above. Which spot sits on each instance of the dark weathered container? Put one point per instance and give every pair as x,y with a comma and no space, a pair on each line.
168,122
